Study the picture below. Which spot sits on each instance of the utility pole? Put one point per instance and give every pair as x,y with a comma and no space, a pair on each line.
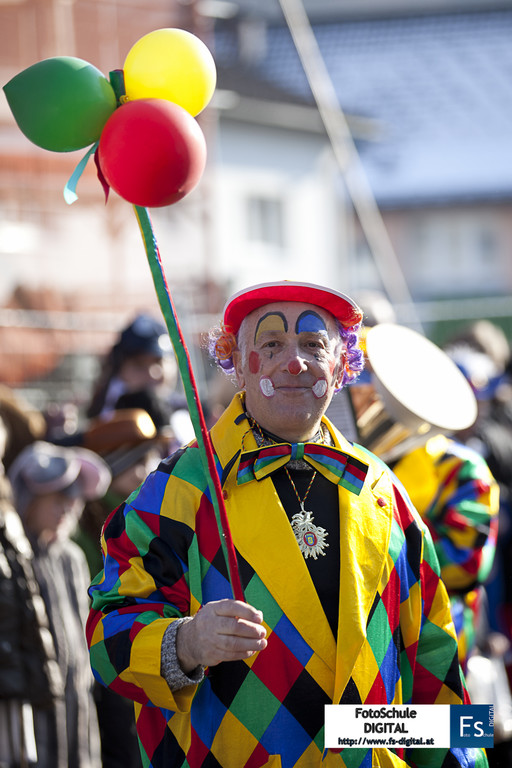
347,157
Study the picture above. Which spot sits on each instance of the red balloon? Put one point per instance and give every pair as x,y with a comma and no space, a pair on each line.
152,152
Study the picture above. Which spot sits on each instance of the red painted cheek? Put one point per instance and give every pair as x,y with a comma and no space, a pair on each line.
294,367
254,362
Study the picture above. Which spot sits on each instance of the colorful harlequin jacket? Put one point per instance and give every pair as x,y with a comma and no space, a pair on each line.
455,493
395,643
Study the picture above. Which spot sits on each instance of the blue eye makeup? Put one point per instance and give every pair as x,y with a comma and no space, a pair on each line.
309,322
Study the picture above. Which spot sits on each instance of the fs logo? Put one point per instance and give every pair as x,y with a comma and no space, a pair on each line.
472,725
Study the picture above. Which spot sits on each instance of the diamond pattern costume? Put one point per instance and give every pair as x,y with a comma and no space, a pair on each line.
395,643
453,490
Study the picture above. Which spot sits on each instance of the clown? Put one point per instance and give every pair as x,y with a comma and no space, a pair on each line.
344,603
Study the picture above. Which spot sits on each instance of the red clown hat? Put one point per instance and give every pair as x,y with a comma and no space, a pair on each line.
242,303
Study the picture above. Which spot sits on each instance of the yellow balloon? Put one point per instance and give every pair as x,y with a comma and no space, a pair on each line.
171,64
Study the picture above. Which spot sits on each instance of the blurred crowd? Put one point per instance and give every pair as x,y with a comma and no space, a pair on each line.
449,443
61,477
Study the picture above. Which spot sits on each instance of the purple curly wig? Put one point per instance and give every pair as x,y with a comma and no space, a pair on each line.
354,363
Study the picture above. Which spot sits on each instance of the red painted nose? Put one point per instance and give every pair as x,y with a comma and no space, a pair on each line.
294,367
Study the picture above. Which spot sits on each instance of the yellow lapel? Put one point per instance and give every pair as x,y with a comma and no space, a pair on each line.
263,536
365,529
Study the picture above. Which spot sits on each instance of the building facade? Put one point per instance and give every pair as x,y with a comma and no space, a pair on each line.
427,98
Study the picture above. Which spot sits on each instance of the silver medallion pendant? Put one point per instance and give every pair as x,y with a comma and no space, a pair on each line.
311,538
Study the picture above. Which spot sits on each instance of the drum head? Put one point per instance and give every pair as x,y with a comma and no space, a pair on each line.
418,383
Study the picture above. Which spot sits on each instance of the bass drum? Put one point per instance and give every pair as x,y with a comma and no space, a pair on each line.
414,391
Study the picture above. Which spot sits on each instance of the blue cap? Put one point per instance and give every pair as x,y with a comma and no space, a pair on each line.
144,335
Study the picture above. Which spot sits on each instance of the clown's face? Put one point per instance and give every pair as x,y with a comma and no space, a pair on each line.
290,360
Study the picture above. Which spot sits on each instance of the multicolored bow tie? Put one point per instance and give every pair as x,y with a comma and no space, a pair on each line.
338,467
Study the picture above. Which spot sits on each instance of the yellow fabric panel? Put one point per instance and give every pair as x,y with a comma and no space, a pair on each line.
135,581
194,605
416,470
312,756
233,743
384,758
447,696
322,674
381,758
365,530
410,616
98,634
274,762
179,499
365,671
456,577
180,726
145,660
462,539
440,610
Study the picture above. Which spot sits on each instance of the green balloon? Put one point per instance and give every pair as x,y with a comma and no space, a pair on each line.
62,103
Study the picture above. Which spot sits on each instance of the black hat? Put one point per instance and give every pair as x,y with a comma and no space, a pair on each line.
144,335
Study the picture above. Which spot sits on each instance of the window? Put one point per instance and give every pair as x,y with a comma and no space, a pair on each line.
456,252
265,220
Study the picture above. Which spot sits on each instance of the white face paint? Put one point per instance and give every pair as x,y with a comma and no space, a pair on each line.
286,350
319,388
267,387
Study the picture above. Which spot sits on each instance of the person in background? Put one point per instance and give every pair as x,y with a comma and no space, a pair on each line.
24,424
131,445
129,442
62,423
337,568
482,352
50,485
140,371
139,360
410,418
30,679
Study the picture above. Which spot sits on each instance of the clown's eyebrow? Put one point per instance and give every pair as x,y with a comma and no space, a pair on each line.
309,322
272,321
